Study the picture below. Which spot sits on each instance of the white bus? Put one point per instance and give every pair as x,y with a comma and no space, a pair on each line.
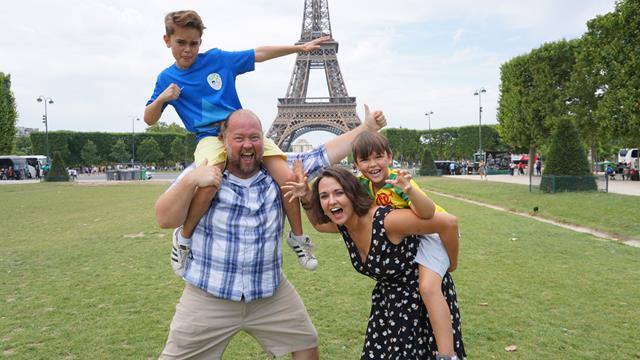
629,156
31,161
41,159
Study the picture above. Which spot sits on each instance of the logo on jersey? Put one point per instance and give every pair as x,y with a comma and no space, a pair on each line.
215,81
383,198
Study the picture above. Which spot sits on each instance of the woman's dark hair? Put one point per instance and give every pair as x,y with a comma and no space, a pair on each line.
352,188
367,143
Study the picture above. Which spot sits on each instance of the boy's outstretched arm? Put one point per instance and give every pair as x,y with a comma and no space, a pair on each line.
421,204
340,146
264,53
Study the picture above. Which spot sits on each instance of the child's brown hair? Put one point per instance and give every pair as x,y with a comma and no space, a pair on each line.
367,143
183,18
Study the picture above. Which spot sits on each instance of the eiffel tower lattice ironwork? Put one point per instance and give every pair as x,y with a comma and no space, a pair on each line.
299,114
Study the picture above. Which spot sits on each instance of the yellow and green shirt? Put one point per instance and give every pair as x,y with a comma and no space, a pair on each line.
390,195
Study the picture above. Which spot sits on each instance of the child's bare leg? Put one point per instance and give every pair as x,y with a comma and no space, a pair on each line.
199,205
298,242
447,228
439,315
281,173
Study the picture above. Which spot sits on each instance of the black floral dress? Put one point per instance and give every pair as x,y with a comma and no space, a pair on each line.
399,327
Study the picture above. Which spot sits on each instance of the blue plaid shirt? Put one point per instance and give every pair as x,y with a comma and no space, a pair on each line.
236,251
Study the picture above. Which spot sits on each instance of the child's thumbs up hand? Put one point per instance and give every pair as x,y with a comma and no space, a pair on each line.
373,121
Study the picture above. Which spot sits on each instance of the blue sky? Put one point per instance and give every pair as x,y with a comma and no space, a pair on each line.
404,57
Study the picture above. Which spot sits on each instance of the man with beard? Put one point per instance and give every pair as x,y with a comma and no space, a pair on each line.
234,269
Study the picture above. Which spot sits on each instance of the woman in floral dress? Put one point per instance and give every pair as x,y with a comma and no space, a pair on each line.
382,246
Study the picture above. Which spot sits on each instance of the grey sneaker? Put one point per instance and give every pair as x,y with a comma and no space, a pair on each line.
302,246
179,254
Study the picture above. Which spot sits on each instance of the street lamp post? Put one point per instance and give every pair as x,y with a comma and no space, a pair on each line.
133,138
45,100
428,114
479,93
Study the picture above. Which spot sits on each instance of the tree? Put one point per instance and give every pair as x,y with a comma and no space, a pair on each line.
534,91
585,92
613,41
58,171
178,149
514,116
428,167
149,151
566,167
89,153
405,143
8,115
119,152
162,127
22,145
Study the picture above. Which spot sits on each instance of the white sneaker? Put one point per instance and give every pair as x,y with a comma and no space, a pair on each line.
179,254
302,246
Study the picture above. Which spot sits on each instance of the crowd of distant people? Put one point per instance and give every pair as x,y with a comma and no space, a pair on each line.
623,169
9,173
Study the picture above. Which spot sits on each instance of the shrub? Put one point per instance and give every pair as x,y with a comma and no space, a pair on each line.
428,167
58,171
566,165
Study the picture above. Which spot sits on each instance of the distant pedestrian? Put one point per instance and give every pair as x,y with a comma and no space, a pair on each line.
482,170
538,167
611,174
452,168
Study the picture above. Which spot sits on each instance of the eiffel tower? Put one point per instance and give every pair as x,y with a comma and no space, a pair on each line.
299,114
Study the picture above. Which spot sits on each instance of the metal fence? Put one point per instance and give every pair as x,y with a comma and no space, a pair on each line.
562,183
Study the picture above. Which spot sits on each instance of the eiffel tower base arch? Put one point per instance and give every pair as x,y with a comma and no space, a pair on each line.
295,120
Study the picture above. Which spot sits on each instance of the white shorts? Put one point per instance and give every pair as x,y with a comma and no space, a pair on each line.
432,254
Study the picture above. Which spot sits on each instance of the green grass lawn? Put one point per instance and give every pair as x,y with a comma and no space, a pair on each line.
613,213
85,275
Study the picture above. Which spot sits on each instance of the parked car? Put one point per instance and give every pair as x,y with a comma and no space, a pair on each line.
443,167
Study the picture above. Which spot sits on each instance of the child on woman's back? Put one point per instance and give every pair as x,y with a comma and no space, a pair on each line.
437,253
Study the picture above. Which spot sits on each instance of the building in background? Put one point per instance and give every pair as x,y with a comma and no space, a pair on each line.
25,131
301,145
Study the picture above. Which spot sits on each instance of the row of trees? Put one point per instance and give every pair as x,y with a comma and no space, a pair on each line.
452,143
593,81
91,148
162,145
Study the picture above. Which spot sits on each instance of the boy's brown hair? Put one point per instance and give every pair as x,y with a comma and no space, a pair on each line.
367,143
183,18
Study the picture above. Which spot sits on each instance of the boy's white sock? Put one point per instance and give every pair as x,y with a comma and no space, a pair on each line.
183,240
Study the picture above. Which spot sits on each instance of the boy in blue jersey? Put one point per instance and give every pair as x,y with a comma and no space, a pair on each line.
201,88
437,253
